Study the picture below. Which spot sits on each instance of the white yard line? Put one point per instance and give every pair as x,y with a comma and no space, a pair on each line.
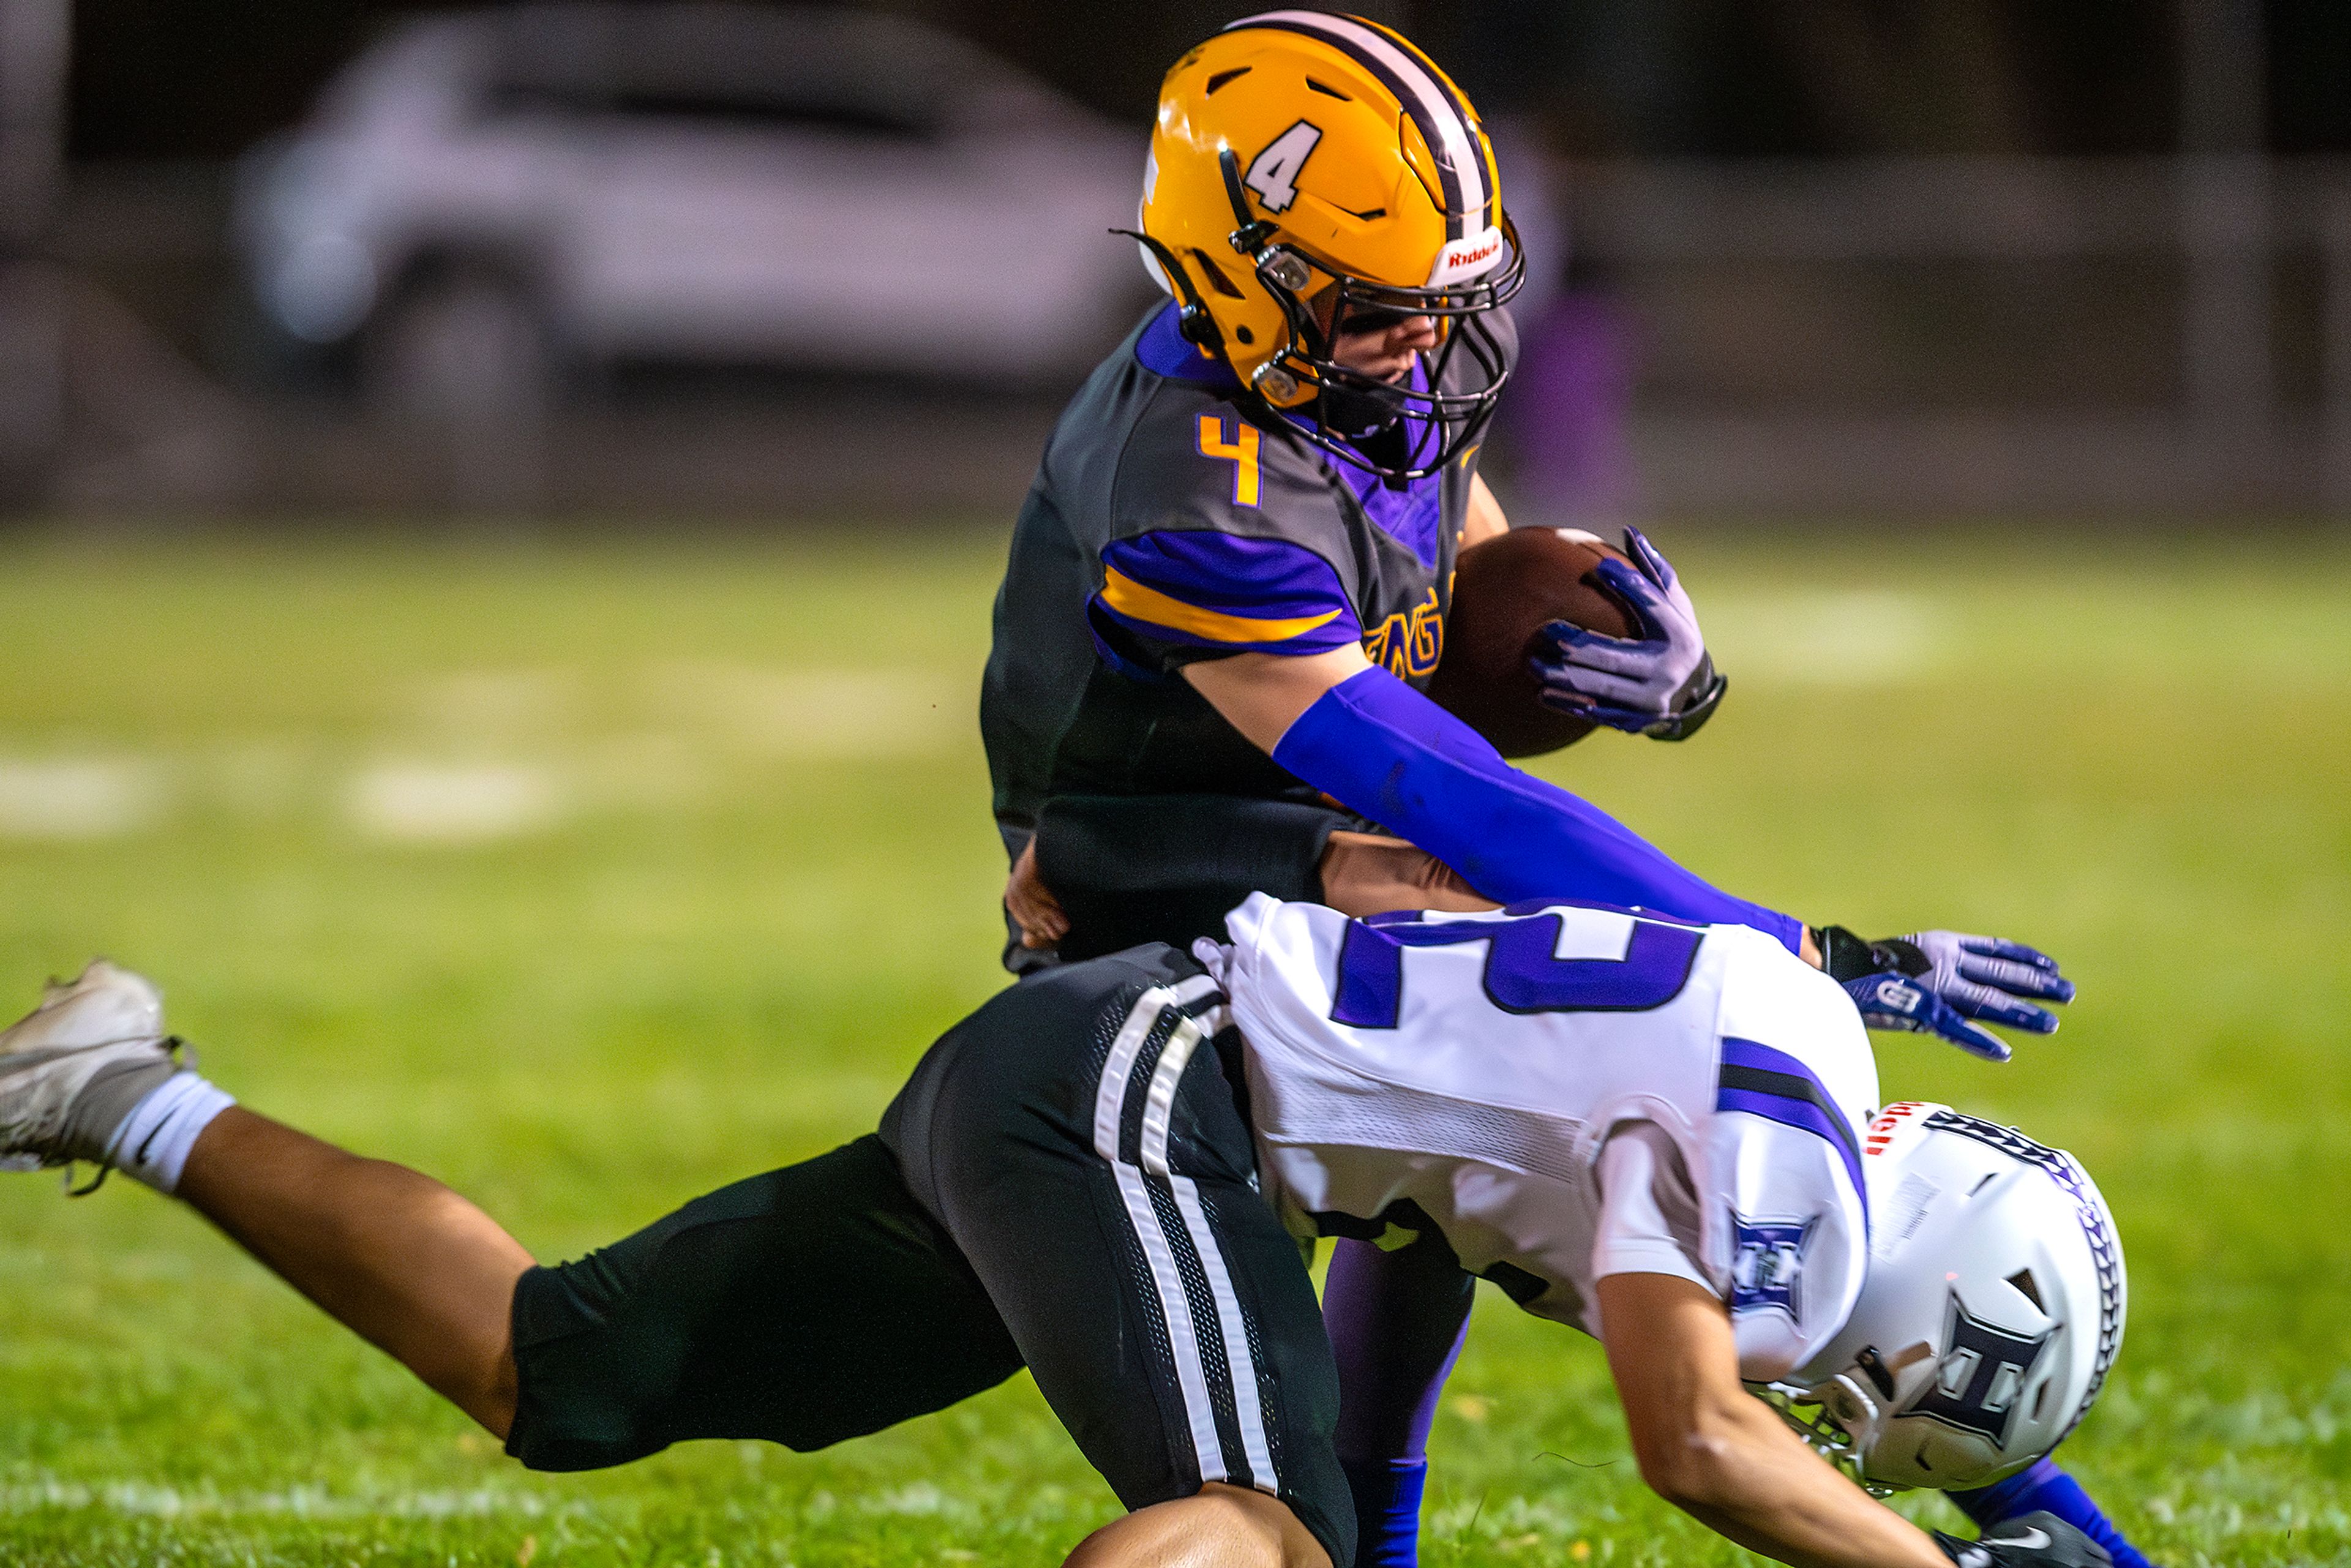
816,713
487,756
422,802
153,1500
81,797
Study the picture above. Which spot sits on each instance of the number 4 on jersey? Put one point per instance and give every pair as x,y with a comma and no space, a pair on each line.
1240,450
1274,175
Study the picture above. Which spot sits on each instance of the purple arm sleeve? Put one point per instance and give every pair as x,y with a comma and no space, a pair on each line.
1397,1321
2042,1486
1393,754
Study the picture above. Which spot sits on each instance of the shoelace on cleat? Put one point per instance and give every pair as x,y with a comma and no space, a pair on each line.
174,1047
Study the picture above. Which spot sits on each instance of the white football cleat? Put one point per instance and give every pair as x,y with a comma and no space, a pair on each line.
107,1018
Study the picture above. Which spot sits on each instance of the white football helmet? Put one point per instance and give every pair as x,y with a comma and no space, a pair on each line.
1992,1312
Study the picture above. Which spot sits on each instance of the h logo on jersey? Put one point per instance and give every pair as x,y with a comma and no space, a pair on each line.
1981,1377
1767,1264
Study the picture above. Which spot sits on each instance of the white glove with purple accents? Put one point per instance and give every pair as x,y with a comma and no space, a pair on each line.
1935,982
1661,684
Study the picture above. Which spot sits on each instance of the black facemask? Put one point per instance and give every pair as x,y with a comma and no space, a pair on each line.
1354,414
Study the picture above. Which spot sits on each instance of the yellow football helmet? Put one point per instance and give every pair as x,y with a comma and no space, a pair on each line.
1310,169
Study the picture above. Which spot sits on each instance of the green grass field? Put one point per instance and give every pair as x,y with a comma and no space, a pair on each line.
589,878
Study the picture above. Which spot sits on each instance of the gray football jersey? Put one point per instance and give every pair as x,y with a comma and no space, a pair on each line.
1163,525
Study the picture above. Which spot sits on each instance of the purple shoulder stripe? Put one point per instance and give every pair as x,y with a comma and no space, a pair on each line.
1777,1087
1200,588
1240,576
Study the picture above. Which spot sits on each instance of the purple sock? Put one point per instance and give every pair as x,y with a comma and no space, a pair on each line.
1397,1321
1387,1510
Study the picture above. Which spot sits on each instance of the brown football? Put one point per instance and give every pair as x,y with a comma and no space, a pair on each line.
1503,589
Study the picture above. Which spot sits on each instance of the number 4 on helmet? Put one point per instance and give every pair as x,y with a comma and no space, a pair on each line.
1310,169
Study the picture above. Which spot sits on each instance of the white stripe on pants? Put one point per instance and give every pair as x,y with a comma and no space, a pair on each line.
1159,1250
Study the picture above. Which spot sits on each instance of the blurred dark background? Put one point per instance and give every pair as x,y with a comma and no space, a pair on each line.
1928,257
1708,78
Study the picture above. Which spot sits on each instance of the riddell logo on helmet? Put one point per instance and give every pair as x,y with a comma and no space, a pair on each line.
1466,257
1882,1131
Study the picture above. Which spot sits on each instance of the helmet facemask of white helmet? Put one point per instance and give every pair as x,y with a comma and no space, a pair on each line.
1991,1313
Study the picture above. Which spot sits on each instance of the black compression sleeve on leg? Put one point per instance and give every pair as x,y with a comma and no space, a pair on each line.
1165,868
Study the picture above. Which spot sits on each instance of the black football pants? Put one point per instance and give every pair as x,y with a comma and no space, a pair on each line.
1067,1183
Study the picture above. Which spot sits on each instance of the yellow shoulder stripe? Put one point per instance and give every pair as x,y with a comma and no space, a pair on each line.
1128,597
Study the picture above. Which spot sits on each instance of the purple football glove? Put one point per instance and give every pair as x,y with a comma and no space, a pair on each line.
1660,684
1936,982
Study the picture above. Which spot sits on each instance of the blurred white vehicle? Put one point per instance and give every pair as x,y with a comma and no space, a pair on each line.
483,199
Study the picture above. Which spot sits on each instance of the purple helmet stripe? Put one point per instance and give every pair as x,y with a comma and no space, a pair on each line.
1441,125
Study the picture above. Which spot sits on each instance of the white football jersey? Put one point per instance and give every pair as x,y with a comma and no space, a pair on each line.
1566,1093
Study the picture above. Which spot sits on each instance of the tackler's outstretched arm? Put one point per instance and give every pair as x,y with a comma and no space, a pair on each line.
1711,1448
1370,741
1367,740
